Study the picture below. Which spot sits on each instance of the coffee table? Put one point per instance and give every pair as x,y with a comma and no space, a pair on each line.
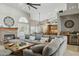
17,50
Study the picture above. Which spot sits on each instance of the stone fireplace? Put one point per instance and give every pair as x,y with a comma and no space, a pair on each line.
7,33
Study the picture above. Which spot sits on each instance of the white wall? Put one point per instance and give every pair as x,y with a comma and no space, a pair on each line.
6,10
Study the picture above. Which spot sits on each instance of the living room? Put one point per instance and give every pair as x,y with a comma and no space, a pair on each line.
39,29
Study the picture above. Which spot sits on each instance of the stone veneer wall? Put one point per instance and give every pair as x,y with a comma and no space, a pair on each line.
75,18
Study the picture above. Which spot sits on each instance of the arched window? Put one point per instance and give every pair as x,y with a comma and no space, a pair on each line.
23,25
23,20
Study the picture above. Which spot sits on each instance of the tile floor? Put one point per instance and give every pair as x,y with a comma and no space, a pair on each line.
72,50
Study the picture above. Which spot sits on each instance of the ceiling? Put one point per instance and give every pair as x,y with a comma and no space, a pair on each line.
20,6
46,10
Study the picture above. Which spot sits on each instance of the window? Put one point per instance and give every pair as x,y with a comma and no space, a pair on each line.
23,25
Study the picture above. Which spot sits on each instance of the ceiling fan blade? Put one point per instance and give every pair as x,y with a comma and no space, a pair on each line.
30,4
36,4
33,6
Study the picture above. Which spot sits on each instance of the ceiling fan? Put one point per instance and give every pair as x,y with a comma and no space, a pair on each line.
33,5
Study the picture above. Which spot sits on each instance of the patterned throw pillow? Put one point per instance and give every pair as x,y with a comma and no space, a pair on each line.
50,48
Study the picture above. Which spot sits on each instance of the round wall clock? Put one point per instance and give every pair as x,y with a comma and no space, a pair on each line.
69,24
8,21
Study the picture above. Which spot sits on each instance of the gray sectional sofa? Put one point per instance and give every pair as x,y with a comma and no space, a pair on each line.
56,47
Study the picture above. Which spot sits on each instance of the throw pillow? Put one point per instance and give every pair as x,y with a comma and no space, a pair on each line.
44,39
32,38
52,47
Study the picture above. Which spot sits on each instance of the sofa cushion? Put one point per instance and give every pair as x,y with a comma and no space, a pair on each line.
38,48
38,36
32,38
52,46
44,39
27,36
21,35
28,52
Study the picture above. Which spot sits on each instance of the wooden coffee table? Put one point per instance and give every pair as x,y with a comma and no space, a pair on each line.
17,50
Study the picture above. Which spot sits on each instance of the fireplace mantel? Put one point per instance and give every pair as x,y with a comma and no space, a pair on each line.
5,28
